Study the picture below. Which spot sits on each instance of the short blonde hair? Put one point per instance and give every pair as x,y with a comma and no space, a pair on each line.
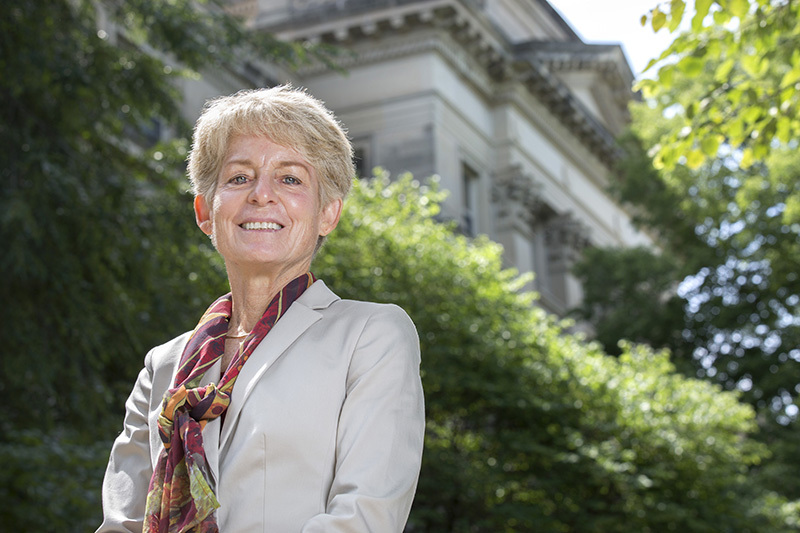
287,116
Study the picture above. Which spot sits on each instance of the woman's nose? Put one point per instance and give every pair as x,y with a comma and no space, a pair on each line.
262,192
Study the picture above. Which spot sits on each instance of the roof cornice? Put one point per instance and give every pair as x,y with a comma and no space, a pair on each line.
531,63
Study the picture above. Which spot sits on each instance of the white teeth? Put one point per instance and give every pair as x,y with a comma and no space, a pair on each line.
261,225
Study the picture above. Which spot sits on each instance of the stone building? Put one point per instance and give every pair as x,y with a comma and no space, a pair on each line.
500,98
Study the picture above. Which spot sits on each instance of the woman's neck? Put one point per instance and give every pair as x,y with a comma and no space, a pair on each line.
251,296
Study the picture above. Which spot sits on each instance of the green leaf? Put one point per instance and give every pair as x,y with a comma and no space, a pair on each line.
760,150
791,77
739,8
659,20
713,49
701,10
667,157
763,66
792,213
735,96
786,97
747,158
721,17
723,70
752,114
666,75
647,87
736,130
691,66
795,59
710,144
751,64
695,158
677,8
783,129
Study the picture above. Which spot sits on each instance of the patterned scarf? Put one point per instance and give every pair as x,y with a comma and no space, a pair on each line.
180,498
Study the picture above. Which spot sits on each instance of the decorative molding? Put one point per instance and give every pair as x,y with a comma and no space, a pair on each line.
517,200
607,61
388,29
247,10
543,84
566,238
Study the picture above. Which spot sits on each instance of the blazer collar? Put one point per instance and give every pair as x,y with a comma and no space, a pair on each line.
317,296
298,318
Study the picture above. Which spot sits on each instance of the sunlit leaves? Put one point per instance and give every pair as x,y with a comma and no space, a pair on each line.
710,145
723,71
726,205
701,11
691,66
751,47
528,425
659,19
739,8
677,8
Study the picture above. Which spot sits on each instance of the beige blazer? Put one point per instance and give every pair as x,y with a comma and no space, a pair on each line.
324,432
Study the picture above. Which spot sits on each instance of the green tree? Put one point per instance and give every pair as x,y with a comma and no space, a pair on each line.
729,246
741,199
731,303
530,428
620,282
748,101
100,258
712,171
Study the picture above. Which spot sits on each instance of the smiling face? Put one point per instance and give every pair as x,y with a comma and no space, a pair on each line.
265,216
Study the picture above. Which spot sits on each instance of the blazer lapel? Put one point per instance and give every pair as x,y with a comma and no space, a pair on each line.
298,318
211,431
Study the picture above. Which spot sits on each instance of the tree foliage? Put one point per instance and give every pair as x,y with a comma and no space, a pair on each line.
100,259
530,428
729,244
712,172
749,102
618,281
722,294
89,207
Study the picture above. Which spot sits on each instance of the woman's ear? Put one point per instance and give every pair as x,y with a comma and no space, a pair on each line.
329,217
202,214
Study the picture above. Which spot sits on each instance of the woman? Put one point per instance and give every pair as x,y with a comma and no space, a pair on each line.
287,409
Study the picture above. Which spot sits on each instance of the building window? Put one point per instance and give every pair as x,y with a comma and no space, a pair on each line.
469,200
361,159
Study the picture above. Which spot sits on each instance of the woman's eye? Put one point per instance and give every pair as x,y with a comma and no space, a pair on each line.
239,179
291,180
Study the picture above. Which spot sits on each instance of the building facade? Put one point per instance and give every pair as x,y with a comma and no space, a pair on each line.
499,98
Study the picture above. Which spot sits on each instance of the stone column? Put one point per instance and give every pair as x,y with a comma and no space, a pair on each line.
566,237
518,208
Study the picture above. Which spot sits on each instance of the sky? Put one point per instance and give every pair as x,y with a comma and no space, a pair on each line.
616,21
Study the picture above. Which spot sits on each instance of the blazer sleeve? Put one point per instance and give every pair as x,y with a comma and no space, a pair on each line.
381,431
129,468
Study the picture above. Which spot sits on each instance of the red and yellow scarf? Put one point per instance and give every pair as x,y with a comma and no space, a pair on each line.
181,498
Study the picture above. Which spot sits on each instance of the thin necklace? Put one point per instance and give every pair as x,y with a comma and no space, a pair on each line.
241,335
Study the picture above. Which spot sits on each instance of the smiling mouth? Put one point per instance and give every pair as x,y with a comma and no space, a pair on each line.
261,225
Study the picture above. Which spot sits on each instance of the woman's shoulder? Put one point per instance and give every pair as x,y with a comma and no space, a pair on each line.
390,320
167,354
326,301
372,309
